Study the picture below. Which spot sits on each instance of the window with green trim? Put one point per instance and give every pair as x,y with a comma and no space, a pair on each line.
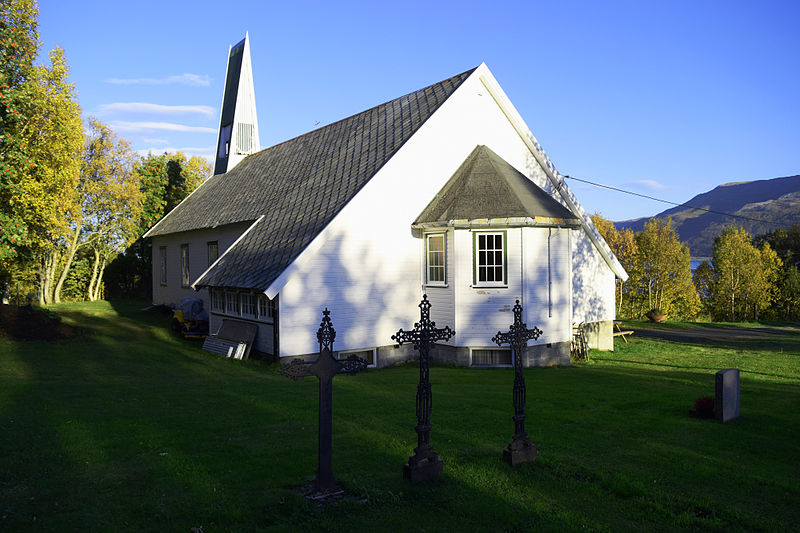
436,259
490,258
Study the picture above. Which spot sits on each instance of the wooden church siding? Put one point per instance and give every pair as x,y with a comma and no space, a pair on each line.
592,288
375,228
442,299
485,310
547,294
198,240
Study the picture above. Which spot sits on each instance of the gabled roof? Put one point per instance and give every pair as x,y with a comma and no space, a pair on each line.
298,187
487,190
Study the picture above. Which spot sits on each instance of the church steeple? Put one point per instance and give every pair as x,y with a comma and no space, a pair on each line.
238,123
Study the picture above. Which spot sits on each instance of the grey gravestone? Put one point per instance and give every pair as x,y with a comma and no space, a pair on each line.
726,401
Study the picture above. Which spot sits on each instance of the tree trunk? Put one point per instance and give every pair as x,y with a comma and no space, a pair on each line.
90,290
73,246
46,275
97,282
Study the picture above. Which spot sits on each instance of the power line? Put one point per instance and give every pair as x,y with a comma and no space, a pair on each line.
674,203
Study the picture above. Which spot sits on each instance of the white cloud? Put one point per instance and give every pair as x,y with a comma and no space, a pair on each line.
206,152
155,141
122,126
185,79
651,185
156,109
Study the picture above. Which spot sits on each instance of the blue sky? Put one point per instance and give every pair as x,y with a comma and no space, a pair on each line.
668,99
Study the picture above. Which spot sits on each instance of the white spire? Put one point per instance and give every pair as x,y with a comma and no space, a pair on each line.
238,123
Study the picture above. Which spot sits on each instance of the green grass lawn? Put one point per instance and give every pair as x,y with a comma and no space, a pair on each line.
130,428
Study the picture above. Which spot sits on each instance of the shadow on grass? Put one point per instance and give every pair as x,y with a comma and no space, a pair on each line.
132,430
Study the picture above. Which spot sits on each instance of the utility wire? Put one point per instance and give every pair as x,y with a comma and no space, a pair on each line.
674,203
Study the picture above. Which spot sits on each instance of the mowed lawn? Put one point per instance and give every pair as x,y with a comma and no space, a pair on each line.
129,428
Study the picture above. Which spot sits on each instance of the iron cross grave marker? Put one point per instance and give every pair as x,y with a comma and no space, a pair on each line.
324,368
425,462
521,449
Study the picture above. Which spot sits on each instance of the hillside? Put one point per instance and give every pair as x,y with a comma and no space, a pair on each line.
776,200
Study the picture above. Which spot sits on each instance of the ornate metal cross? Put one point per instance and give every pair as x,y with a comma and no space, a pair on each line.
425,462
521,449
325,368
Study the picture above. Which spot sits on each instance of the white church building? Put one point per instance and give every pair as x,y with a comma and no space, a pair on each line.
443,191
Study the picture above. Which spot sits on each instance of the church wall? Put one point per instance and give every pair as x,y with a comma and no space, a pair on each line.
366,265
173,291
593,292
442,299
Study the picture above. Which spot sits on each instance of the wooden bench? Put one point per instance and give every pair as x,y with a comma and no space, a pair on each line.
620,332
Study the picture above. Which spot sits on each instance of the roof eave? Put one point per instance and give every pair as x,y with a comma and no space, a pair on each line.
505,222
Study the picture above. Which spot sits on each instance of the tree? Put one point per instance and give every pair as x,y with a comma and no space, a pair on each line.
744,276
165,181
623,244
54,135
110,204
703,279
19,43
666,274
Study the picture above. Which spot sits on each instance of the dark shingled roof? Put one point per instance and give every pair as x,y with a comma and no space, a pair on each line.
486,187
298,186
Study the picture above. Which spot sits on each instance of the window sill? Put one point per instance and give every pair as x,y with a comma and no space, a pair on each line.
488,286
437,285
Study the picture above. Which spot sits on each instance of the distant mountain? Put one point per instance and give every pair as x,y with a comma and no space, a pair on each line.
776,200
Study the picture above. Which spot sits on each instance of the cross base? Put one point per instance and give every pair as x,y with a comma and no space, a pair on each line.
424,464
520,450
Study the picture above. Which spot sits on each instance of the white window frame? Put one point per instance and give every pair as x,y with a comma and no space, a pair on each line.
218,301
232,303
442,266
265,308
348,353
476,264
247,305
185,268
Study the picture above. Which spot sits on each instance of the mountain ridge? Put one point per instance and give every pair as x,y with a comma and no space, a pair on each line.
766,205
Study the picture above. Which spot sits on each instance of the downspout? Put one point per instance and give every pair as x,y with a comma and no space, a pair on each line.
549,276
275,336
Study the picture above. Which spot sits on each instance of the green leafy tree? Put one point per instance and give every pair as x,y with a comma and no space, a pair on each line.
110,204
19,44
703,279
744,276
665,281
623,244
165,180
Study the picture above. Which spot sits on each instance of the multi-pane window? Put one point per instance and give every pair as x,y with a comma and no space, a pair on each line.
248,301
213,251
185,265
218,300
244,304
490,258
232,303
266,308
162,259
436,259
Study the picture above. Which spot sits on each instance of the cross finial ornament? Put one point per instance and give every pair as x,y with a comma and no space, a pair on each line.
324,368
521,449
425,462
